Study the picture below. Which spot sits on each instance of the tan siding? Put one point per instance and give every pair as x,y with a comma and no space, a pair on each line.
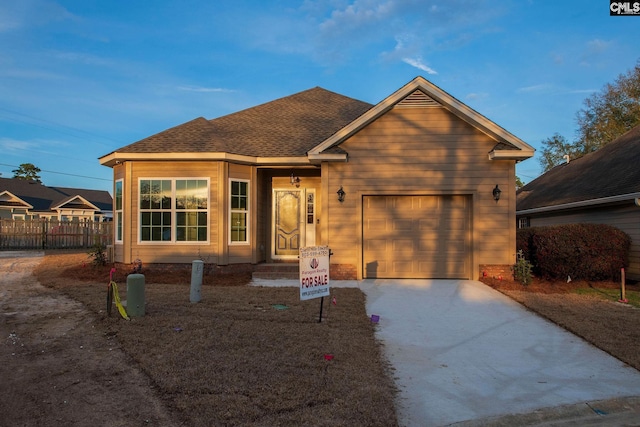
626,218
422,152
162,252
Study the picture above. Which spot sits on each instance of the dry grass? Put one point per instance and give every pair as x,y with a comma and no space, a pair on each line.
234,359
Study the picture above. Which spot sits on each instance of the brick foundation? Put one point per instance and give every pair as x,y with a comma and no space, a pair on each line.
495,271
343,272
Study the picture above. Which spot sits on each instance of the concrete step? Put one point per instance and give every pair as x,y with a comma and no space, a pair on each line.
276,271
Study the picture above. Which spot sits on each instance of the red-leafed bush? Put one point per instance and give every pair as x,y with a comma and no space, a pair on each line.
579,251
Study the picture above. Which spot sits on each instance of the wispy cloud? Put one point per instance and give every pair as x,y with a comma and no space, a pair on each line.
419,28
83,58
476,96
597,46
544,87
417,62
579,91
205,89
15,15
9,144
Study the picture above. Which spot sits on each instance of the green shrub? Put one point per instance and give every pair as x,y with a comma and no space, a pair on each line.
522,269
581,251
98,254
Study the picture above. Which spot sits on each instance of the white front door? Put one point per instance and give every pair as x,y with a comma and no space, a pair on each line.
294,221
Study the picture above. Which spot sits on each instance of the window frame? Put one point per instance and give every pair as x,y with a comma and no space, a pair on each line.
118,213
246,212
173,212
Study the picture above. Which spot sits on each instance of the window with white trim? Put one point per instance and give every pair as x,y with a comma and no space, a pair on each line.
192,204
118,210
174,210
239,212
523,222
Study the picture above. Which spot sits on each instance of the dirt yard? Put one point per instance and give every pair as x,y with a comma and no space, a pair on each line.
242,356
58,368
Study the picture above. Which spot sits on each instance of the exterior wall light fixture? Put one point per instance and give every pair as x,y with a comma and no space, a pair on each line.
295,180
341,194
496,193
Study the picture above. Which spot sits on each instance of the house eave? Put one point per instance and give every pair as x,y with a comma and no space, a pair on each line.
582,204
115,158
324,157
517,155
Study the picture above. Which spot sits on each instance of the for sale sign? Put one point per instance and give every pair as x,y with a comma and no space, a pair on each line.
314,272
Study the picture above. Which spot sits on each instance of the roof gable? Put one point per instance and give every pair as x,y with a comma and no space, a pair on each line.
610,172
8,199
75,202
420,92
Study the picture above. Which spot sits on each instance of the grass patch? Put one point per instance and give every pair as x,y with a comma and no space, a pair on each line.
609,294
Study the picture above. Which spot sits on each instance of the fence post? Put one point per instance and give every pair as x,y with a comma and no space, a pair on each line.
44,234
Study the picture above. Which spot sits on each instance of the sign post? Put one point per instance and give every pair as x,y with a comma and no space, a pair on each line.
314,274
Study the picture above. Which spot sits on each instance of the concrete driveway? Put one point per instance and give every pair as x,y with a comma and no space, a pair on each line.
463,351
467,355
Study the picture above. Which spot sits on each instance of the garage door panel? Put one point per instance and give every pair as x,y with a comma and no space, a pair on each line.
457,247
403,224
376,268
430,236
377,224
404,203
376,203
405,245
428,202
378,246
403,267
428,245
428,223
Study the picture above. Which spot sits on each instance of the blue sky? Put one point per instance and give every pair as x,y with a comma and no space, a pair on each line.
81,78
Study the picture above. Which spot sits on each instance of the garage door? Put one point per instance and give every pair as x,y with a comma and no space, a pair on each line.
417,236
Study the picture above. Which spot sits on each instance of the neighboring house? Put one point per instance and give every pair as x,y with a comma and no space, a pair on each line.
400,189
23,199
602,187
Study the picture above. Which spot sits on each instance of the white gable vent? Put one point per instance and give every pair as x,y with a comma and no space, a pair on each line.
418,99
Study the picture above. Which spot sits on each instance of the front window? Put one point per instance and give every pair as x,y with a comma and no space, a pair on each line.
118,210
174,210
239,212
523,222
191,210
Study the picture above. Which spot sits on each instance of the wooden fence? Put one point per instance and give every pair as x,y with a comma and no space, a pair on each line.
53,234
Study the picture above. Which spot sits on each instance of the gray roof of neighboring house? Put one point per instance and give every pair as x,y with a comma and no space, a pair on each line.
44,198
613,170
288,126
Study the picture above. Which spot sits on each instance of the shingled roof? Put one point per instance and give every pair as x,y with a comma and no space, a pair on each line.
286,127
610,171
44,199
